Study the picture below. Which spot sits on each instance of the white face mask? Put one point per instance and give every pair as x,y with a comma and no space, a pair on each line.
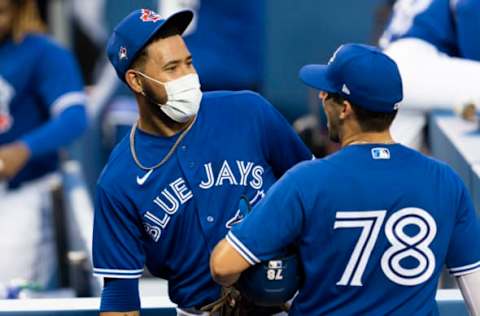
183,97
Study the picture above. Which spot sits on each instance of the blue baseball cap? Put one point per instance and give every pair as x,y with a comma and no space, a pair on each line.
361,74
135,31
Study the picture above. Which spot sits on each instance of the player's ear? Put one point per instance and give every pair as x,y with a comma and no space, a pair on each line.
346,110
133,81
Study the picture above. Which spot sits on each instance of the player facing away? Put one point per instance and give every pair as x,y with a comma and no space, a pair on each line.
170,190
436,46
373,223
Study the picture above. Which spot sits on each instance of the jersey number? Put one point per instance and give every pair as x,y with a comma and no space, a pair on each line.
401,245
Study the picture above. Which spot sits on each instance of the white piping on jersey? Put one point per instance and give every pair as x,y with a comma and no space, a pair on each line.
117,270
240,247
458,271
465,267
118,276
465,272
67,100
240,251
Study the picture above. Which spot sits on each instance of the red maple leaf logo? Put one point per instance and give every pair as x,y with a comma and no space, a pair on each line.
150,16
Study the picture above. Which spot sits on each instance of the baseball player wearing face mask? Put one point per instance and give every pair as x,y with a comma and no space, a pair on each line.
170,190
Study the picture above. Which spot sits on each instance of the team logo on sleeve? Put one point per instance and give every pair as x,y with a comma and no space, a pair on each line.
6,95
150,16
380,153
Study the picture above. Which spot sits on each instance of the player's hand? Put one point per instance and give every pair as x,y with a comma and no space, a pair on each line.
13,158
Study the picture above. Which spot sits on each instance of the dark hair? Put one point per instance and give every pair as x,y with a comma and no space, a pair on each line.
27,19
141,58
368,121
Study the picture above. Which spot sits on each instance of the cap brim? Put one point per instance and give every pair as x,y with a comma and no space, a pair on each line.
315,76
179,21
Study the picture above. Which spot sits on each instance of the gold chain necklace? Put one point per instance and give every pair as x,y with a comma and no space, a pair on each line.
167,156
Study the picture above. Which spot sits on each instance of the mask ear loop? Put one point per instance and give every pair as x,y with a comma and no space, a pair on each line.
150,78
143,92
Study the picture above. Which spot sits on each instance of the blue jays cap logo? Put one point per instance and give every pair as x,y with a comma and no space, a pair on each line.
122,53
150,16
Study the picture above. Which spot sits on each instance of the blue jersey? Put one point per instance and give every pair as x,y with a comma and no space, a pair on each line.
169,219
373,224
38,80
450,25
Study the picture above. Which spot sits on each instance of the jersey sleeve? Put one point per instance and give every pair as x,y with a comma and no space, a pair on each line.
283,147
463,255
58,80
117,239
467,20
274,223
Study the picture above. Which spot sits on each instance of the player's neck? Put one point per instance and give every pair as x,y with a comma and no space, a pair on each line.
368,138
159,123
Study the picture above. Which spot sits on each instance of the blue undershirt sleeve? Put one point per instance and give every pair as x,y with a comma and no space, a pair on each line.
120,295
58,132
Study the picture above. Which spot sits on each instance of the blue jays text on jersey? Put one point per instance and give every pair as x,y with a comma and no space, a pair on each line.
38,80
373,224
451,26
170,218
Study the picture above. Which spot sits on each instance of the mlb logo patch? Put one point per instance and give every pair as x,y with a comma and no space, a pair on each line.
150,16
275,264
380,153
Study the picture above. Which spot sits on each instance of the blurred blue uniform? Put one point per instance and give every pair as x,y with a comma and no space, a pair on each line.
170,218
228,44
451,26
373,224
41,105
38,81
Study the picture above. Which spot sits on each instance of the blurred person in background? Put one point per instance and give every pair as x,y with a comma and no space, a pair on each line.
42,109
437,48
226,38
